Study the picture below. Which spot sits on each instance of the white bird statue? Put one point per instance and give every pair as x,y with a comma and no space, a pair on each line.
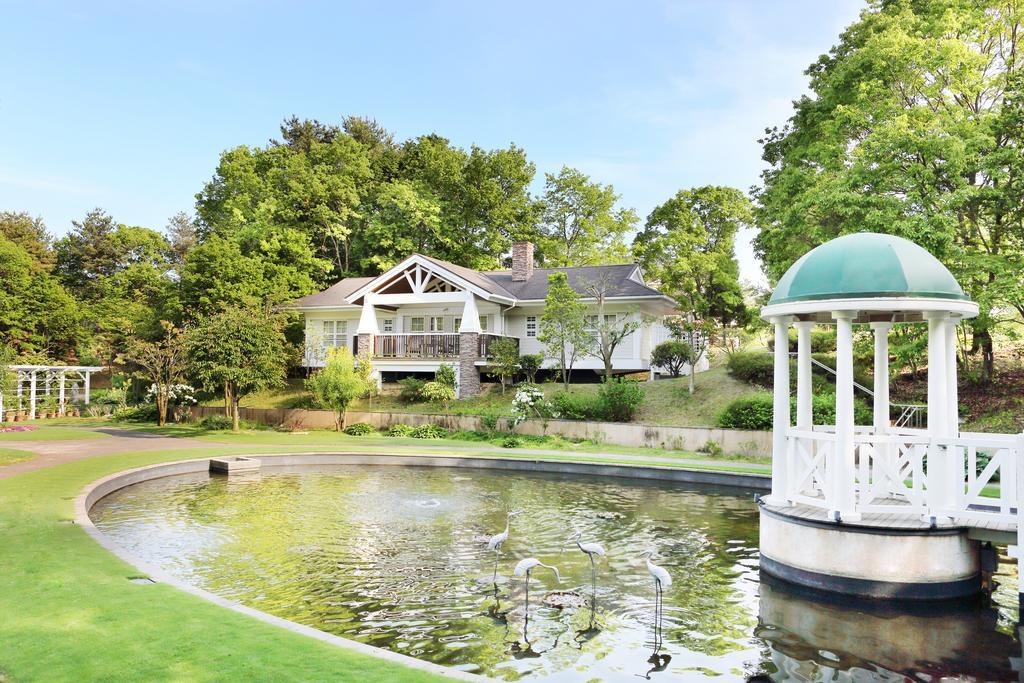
591,549
525,567
497,540
662,579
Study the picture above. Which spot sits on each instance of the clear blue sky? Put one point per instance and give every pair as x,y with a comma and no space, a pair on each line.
127,106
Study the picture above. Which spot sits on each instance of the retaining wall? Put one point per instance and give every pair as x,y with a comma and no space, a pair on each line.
621,434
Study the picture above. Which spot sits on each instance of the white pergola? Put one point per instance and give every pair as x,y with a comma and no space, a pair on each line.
67,382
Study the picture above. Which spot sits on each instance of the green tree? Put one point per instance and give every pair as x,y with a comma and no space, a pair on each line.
580,224
162,363
183,234
609,330
504,359
442,388
241,350
673,355
563,326
338,383
30,234
913,128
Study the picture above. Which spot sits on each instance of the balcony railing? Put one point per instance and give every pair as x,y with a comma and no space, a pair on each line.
416,345
487,339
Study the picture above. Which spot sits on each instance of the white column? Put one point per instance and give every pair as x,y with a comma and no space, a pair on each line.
368,318
470,316
938,406
87,376
32,395
62,394
881,387
952,398
780,414
804,399
843,503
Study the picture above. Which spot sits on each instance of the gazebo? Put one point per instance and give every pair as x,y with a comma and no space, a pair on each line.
856,484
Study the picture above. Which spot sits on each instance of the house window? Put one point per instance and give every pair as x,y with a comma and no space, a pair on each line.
415,324
483,323
437,323
388,325
591,323
610,318
335,333
531,326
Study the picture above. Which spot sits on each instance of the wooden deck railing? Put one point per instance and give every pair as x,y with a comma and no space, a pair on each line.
485,343
416,345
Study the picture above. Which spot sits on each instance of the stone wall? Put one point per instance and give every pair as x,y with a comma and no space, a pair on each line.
469,375
736,441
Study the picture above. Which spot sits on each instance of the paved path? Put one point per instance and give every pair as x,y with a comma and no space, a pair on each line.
50,453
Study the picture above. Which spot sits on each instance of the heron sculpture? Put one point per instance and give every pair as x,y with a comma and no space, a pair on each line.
590,550
497,540
662,579
524,568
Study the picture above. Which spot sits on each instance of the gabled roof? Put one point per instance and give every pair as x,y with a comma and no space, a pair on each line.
624,281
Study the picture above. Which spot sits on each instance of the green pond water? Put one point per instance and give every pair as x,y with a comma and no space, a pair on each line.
395,557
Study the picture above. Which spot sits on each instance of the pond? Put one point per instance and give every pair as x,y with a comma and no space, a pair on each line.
396,557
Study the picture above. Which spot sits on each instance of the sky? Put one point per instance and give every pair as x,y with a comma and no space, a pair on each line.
127,106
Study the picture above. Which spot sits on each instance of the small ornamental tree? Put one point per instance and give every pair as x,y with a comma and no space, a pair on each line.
530,364
504,359
442,388
338,383
162,363
673,355
697,335
563,327
609,329
242,350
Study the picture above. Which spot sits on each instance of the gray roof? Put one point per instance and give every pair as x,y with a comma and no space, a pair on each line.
333,295
580,277
499,282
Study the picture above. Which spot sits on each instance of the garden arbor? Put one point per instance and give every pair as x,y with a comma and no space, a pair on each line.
33,382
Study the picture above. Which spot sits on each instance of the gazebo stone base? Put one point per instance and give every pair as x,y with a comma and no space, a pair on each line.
870,561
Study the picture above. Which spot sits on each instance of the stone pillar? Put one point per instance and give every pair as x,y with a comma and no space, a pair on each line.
804,399
881,386
469,353
364,343
843,503
780,414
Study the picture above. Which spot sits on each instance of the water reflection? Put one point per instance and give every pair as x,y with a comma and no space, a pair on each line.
821,637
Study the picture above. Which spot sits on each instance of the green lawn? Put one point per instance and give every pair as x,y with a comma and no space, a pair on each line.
668,401
12,455
46,432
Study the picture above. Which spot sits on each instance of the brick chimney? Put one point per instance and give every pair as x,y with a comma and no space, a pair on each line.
522,261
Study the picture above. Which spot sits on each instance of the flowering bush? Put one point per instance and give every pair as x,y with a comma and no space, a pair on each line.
530,402
18,428
182,394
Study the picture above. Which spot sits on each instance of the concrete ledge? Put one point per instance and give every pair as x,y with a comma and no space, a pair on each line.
919,564
101,488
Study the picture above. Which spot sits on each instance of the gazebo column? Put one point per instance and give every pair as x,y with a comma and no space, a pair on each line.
843,503
952,399
780,414
881,386
32,395
804,398
86,375
62,395
941,480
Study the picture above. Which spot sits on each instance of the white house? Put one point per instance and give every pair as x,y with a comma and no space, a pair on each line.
424,312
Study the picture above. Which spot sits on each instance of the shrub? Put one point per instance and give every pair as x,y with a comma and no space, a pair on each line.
756,367
411,388
429,432
512,442
577,406
712,448
748,412
530,363
442,388
145,412
359,429
338,383
399,430
620,399
489,422
108,397
215,422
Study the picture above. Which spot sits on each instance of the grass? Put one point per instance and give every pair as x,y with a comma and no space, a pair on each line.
668,402
48,432
13,455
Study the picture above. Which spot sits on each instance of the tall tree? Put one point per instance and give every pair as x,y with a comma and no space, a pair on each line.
580,224
239,350
913,128
609,330
182,232
563,326
30,234
162,363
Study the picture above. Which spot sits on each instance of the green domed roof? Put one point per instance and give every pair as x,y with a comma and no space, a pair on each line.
867,265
